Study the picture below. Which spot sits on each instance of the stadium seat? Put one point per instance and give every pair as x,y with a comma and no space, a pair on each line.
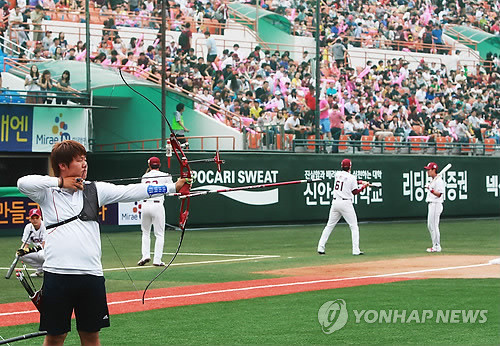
442,145
367,143
416,146
489,146
254,140
311,143
467,149
389,144
343,143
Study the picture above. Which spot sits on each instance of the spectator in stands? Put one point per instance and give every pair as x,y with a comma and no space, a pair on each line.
36,19
178,123
185,38
32,85
16,30
338,52
46,86
63,85
211,47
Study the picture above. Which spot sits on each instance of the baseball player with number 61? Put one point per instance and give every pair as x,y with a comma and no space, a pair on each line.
345,187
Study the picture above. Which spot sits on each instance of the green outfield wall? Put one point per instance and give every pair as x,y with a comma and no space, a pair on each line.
473,187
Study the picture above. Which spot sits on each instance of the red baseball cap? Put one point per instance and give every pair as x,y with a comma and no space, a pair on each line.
35,211
431,165
154,161
346,163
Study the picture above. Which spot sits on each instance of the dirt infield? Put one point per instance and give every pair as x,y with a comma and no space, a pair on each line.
425,264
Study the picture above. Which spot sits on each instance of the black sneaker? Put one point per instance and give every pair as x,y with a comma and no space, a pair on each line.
321,252
358,254
143,261
161,264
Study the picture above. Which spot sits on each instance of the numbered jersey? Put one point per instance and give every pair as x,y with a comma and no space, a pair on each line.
155,177
344,184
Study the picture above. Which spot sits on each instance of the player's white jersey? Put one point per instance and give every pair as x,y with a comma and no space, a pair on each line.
437,185
37,237
156,177
344,184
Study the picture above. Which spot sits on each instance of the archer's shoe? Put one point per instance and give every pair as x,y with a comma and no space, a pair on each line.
37,274
143,261
358,253
161,264
321,252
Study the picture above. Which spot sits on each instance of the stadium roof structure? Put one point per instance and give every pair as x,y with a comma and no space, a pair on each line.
479,40
272,27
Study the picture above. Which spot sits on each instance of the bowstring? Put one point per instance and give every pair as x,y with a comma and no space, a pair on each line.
178,144
120,259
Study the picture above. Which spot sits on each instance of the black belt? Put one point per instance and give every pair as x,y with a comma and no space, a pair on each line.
345,199
152,201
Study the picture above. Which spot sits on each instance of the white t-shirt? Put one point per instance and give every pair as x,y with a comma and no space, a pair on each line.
37,236
156,177
75,247
437,185
291,122
344,184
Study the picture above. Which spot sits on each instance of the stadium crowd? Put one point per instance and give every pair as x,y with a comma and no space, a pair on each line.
265,90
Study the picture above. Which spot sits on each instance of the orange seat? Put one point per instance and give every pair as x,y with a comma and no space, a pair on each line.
253,140
442,144
416,144
489,145
367,143
467,148
311,143
343,143
389,143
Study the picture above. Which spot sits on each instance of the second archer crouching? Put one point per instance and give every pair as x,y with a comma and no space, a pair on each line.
73,271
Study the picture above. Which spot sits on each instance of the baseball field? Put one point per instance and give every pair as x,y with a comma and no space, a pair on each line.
268,285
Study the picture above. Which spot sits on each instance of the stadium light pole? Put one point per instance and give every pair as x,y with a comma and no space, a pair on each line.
318,74
163,74
87,50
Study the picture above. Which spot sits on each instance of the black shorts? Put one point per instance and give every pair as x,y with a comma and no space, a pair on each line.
63,293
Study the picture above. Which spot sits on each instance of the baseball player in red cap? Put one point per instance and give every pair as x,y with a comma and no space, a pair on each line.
345,187
34,241
153,213
435,198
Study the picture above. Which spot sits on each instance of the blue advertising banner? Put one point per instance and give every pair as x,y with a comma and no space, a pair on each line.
16,128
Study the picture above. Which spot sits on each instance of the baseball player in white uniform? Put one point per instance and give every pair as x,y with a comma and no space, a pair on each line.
153,213
345,187
435,198
34,240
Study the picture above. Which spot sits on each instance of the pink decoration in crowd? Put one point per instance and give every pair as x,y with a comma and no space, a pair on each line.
138,44
376,86
81,56
155,43
364,72
419,106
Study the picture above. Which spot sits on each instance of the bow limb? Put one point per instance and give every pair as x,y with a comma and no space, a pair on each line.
185,173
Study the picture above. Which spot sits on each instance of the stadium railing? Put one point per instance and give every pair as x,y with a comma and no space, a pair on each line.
148,144
366,145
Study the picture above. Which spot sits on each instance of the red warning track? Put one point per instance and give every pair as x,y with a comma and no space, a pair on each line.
125,302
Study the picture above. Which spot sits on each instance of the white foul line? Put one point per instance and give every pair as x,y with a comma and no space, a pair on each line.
279,285
257,257
246,258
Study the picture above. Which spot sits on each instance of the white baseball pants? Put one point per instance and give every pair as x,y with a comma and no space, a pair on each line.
433,216
153,214
35,260
345,209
